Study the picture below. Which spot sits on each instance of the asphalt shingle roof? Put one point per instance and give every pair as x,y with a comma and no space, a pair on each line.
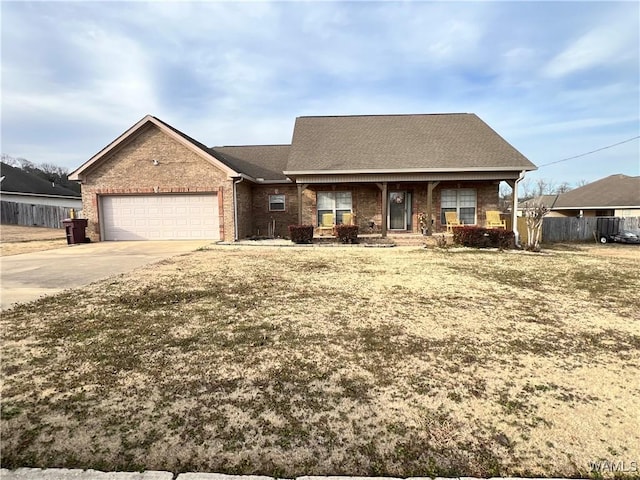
19,181
258,161
612,191
459,141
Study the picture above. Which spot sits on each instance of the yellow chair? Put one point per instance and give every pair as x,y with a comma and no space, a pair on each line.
452,221
326,223
494,220
347,218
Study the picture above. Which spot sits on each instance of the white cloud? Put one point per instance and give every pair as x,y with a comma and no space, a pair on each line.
604,45
241,72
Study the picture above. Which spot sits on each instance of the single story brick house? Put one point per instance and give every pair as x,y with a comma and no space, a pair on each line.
616,195
155,182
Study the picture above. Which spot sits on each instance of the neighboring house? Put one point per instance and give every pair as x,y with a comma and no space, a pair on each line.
27,199
546,200
155,182
615,195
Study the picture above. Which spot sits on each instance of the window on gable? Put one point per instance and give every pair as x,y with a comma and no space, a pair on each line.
461,201
336,203
276,203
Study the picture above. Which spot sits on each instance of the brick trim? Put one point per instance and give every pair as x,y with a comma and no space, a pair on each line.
155,190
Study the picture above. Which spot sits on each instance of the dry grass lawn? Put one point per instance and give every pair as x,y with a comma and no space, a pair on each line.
17,239
291,361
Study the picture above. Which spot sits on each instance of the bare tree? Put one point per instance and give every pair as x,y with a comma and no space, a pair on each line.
544,187
534,213
564,187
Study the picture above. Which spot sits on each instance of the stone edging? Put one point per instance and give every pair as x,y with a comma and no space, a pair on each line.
77,474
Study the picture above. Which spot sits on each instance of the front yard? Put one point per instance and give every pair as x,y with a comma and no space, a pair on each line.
292,361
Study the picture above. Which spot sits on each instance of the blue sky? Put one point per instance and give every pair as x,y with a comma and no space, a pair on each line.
555,79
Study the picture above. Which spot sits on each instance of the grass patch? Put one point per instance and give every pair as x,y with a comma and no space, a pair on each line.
403,362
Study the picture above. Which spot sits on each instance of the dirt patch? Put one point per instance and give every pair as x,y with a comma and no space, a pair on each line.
17,239
282,361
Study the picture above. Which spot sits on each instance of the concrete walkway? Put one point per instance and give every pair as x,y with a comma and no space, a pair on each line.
64,474
28,276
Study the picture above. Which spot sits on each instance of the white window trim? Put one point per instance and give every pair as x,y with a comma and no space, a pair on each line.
334,210
284,202
458,190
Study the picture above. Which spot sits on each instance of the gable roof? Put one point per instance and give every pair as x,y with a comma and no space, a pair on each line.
184,139
612,191
546,200
16,180
400,143
261,162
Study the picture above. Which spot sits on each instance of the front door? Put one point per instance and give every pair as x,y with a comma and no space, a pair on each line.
399,210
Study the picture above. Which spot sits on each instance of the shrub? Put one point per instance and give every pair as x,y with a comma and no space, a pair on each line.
301,233
347,233
480,237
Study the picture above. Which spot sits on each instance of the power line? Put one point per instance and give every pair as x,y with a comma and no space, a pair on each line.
589,153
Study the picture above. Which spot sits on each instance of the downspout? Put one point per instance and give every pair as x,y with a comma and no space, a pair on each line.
514,208
235,209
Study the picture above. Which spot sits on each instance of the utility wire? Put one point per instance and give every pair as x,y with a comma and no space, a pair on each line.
589,153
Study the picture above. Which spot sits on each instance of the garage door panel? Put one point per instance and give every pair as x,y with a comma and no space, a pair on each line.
160,217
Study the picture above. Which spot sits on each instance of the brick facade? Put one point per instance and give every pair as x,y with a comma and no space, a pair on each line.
367,204
129,169
261,215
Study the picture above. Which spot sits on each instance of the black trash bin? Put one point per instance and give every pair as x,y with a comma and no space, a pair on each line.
606,228
76,230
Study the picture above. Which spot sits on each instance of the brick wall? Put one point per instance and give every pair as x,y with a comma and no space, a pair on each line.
244,199
487,196
367,201
129,170
262,216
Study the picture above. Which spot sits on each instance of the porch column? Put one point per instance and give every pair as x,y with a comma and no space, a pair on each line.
430,187
514,208
383,226
301,188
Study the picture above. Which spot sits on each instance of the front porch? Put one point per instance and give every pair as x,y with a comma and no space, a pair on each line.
396,209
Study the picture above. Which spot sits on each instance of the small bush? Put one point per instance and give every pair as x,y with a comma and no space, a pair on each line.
347,233
301,233
480,237
441,241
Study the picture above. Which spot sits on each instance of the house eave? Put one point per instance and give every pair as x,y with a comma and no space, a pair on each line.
405,170
409,177
261,181
598,207
41,195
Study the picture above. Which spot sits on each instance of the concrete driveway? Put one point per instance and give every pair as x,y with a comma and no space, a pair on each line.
29,276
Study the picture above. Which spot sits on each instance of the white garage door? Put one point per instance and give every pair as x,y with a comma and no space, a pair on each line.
160,217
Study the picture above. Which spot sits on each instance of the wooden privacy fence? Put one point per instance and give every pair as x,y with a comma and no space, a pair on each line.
13,213
574,229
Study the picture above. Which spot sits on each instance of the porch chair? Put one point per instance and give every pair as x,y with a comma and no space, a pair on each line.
347,218
326,223
494,220
452,221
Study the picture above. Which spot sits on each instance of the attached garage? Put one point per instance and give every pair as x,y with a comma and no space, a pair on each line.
160,217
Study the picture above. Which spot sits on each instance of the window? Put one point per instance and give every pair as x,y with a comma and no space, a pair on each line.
462,201
276,203
337,203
